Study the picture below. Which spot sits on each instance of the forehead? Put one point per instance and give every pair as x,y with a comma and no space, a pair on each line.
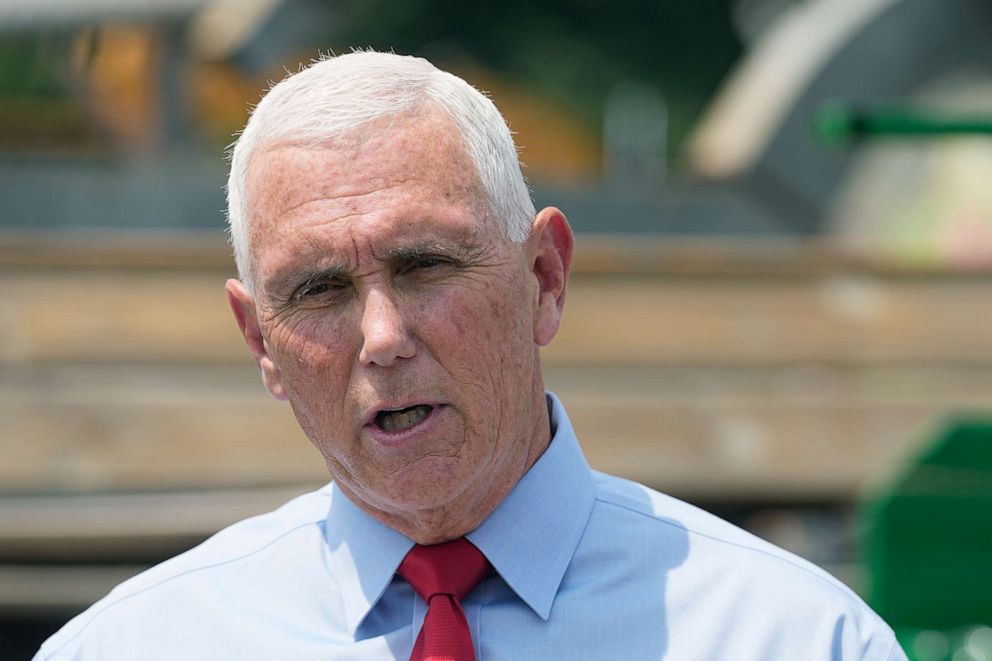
397,175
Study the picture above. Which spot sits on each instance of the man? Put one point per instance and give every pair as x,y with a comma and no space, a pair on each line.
395,286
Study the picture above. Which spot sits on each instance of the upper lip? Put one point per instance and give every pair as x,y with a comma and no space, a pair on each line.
370,416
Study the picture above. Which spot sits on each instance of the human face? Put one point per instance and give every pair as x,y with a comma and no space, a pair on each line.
399,322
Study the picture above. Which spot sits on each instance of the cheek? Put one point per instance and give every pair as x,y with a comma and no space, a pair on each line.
487,332
315,372
310,348
508,314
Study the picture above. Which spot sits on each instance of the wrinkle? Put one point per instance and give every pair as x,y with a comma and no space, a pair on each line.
470,318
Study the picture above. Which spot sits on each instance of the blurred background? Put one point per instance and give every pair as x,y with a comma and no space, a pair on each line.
779,310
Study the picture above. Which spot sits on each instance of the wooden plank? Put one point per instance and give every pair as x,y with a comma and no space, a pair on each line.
26,589
184,317
147,428
598,254
799,433
807,432
80,527
118,249
845,320
121,367
650,300
142,316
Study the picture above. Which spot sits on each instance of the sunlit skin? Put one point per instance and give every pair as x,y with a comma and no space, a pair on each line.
383,282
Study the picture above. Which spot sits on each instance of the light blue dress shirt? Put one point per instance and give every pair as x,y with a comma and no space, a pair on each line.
588,566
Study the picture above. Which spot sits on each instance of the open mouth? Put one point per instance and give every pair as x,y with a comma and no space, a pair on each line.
393,421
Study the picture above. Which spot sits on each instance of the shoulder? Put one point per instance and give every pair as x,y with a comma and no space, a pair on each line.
219,563
702,532
714,570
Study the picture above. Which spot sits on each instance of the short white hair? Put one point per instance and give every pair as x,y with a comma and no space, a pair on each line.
337,96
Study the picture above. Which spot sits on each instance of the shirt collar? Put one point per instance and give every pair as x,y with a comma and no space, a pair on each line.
529,539
364,555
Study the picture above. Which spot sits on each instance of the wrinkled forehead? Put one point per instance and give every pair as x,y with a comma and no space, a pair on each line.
423,149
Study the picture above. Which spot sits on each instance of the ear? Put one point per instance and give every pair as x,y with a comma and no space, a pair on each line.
243,306
549,251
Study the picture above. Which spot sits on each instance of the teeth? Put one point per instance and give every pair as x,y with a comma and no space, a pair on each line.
400,420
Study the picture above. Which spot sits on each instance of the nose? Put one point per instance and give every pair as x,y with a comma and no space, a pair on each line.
385,335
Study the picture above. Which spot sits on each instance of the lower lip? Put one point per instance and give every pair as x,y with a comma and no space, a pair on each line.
405,436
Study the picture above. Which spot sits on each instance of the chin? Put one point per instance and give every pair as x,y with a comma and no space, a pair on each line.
432,483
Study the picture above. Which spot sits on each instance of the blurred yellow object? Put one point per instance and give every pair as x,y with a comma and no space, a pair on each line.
119,84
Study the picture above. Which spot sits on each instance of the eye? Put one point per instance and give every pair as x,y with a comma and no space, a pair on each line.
423,263
428,262
319,291
314,290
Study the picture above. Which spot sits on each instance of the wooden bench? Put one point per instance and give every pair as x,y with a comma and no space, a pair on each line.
716,372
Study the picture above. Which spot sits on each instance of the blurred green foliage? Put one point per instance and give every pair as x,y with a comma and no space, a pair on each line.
31,65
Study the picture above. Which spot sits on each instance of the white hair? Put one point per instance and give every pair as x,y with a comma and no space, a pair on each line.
337,96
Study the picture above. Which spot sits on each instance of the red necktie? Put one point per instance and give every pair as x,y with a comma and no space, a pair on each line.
443,574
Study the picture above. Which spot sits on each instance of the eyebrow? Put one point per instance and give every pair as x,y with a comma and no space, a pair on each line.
457,243
291,281
415,251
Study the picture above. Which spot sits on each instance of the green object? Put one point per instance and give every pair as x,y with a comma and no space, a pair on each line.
838,124
961,644
929,538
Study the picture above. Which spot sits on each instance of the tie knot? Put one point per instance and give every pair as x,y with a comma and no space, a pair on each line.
454,568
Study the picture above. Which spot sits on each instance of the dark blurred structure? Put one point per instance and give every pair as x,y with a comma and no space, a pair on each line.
123,111
121,108
876,196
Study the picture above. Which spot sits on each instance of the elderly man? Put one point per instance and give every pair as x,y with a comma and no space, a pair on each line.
395,287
